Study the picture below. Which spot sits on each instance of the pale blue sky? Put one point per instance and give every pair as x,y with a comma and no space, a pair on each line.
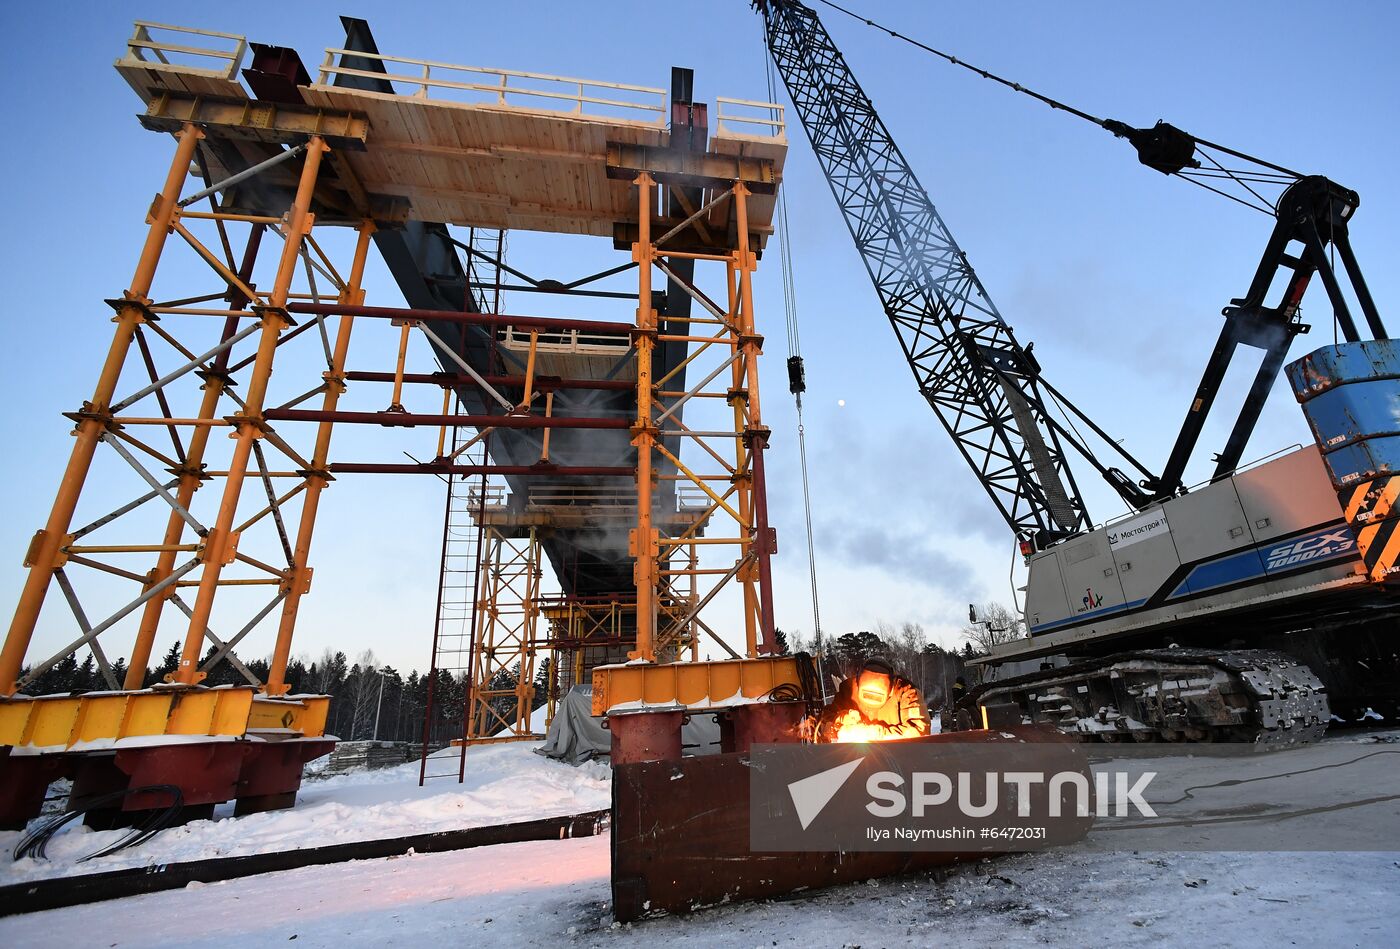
1116,273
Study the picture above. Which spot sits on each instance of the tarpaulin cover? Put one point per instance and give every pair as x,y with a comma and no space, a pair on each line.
576,735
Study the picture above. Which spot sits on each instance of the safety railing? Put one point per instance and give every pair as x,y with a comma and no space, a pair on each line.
577,495
745,118
153,43
476,85
495,495
688,497
562,340
691,498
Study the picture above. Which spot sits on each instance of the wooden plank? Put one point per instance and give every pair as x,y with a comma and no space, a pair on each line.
145,77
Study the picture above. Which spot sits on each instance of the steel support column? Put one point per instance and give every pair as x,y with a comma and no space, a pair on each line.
318,476
644,541
219,545
503,637
743,476
751,345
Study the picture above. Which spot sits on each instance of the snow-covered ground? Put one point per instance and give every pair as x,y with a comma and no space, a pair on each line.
504,783
555,893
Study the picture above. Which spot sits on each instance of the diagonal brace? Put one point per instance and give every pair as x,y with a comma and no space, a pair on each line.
218,643
175,505
80,615
466,367
110,621
196,363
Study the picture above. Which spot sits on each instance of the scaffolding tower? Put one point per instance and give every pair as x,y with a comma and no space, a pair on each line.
606,483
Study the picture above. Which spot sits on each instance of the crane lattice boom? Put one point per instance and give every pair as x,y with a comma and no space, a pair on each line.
968,365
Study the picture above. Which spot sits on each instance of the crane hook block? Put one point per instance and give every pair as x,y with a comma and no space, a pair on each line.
797,375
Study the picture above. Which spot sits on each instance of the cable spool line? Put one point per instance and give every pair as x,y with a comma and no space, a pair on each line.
797,376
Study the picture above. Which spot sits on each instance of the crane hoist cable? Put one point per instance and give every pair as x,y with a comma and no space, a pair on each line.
797,373
1163,147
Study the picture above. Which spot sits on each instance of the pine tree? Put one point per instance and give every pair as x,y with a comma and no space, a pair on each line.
297,676
56,679
168,663
222,674
332,673
412,712
86,678
781,639
853,650
544,681
389,705
504,705
260,668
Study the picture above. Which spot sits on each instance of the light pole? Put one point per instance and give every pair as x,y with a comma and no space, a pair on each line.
378,706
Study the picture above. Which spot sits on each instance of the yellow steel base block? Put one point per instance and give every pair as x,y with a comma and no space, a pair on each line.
303,715
100,720
73,722
639,686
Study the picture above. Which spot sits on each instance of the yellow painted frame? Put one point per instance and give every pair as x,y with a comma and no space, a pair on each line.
697,685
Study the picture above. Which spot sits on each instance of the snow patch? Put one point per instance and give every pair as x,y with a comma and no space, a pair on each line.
504,783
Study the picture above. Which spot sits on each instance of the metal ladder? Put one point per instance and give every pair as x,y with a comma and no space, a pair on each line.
450,670
484,274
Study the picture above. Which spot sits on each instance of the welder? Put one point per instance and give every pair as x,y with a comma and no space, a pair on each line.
874,704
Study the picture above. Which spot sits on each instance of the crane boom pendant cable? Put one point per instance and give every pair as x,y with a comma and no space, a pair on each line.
1163,147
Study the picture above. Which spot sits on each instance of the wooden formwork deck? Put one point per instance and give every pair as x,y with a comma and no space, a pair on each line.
539,166
508,167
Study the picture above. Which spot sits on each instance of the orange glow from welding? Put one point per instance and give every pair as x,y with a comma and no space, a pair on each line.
861,732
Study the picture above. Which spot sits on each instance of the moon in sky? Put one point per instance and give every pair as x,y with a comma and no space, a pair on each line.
841,403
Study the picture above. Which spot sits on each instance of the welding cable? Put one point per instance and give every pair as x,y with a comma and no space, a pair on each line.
797,373
785,692
1233,782
35,842
811,682
158,821
1197,822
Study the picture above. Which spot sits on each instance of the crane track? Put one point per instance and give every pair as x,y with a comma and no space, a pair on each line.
1256,696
